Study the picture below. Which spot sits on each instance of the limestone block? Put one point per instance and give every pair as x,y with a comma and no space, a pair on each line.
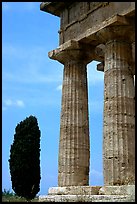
86,198
74,190
117,190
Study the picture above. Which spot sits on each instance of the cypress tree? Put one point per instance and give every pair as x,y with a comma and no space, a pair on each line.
24,159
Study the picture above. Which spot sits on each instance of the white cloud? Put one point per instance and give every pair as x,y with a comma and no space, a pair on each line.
96,178
19,103
29,6
8,102
23,52
59,88
4,108
11,51
32,63
16,103
96,173
29,77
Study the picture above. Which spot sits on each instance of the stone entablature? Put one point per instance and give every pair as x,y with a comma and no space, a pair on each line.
84,15
77,17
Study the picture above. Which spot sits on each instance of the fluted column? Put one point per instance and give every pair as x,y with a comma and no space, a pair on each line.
74,150
74,144
119,114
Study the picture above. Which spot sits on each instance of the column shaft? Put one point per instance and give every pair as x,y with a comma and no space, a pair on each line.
74,151
119,115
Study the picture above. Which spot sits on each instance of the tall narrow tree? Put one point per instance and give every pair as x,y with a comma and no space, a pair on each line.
24,159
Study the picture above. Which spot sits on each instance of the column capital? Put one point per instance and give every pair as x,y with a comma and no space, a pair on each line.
73,50
117,32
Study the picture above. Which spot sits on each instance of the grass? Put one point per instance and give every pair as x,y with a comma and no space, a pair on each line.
8,196
16,199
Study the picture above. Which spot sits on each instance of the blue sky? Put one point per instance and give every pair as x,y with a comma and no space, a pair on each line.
31,85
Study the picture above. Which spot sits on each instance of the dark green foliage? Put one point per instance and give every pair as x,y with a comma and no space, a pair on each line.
24,159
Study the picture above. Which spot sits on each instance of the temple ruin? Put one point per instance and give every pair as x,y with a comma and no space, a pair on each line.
105,32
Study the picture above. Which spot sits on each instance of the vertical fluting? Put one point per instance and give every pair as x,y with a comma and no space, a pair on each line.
119,115
74,150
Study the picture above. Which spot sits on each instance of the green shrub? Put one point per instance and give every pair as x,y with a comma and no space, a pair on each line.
24,159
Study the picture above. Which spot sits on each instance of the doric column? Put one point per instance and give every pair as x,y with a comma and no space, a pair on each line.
74,144
119,115
74,149
119,108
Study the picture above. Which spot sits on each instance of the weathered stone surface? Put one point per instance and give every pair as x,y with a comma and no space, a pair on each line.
124,193
74,190
73,50
74,144
118,190
100,66
119,115
86,198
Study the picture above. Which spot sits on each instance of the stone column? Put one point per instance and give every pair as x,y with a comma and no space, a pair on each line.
74,144
74,150
119,115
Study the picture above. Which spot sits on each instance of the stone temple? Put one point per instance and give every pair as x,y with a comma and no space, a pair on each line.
105,32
